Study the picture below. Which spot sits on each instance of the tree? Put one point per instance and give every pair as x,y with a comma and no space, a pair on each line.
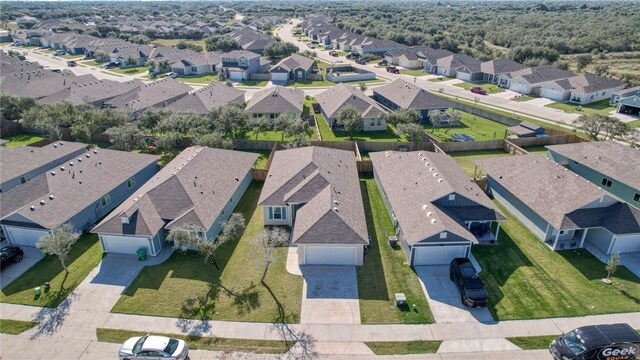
454,119
221,42
190,236
614,128
350,118
413,132
58,242
151,117
12,107
594,124
583,60
259,125
282,123
279,49
435,118
267,240
562,65
601,69
39,119
125,137
151,64
164,66
363,87
402,116
633,137
130,61
214,140
300,130
230,120
612,266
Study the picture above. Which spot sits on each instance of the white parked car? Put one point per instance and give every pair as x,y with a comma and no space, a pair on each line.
153,347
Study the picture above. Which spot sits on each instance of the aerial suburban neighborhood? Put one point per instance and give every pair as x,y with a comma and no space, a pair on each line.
320,180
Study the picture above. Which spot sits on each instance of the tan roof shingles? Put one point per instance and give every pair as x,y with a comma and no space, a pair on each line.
276,100
208,98
341,95
410,96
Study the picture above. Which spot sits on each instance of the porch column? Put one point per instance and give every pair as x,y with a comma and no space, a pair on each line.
498,230
584,235
613,242
555,243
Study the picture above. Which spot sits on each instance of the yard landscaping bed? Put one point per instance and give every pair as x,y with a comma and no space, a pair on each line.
478,127
526,280
85,255
385,271
15,327
202,343
185,287
404,347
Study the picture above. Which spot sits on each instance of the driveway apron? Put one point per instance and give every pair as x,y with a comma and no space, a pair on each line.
330,295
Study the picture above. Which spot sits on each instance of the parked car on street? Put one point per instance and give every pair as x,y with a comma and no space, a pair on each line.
333,53
471,287
353,55
59,53
72,63
361,61
597,342
10,254
393,70
383,63
478,90
153,347
171,75
112,65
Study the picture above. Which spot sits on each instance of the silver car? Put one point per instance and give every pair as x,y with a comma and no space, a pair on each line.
153,347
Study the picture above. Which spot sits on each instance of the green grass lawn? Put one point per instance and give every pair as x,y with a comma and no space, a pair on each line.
383,136
440,79
634,124
532,342
523,98
15,327
118,336
311,83
173,42
22,139
85,255
491,88
254,83
478,127
185,287
71,56
413,72
131,70
271,135
539,150
199,79
386,272
92,62
601,107
263,156
157,77
465,158
404,347
526,280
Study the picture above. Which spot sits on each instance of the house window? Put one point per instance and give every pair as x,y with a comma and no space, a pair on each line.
272,116
561,232
106,200
255,115
636,197
131,183
443,235
372,122
25,178
379,122
452,197
194,69
277,213
606,182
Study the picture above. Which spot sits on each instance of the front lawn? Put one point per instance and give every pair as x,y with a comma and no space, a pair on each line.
199,79
523,98
84,257
22,139
254,83
440,79
526,280
328,135
310,83
185,287
404,347
118,336
465,158
491,88
478,127
386,272
131,70
413,72
15,327
601,107
634,124
532,342
71,56
92,62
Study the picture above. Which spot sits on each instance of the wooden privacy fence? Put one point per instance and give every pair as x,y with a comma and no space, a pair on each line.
9,128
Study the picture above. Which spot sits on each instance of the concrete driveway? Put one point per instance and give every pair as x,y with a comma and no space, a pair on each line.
10,272
444,297
330,295
540,102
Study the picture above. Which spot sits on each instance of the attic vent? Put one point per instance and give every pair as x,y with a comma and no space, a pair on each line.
51,197
419,154
335,202
62,168
95,151
424,207
433,221
42,202
79,159
435,174
429,214
53,173
55,146
70,163
33,208
430,169
335,209
439,180
88,156
61,143
237,179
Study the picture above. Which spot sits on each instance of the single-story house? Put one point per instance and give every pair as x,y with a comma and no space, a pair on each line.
23,163
581,89
561,208
187,191
401,94
526,129
612,166
205,99
624,93
334,99
529,81
276,100
417,57
293,68
94,93
316,191
251,40
627,101
193,64
492,69
437,211
158,94
78,192
461,66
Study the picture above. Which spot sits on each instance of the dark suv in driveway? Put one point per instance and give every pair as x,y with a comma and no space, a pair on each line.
471,287
10,254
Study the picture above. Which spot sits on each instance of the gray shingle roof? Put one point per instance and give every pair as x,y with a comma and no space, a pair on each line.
91,92
276,100
37,83
148,95
610,158
73,189
249,38
20,160
500,66
326,181
187,190
458,61
334,99
207,98
587,83
550,190
295,61
410,96
414,182
541,74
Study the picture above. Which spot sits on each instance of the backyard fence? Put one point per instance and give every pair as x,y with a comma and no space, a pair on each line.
266,76
9,128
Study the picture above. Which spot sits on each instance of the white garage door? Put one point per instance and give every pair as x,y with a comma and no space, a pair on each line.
124,244
463,76
437,255
235,75
26,237
326,255
626,244
282,77
519,88
552,94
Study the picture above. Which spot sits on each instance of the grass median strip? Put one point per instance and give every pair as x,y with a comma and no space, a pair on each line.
15,327
403,347
532,342
119,336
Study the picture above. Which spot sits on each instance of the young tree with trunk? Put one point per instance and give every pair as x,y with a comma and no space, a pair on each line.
214,140
259,124
402,116
583,60
267,240
59,243
612,266
413,132
454,119
435,117
130,61
125,137
300,131
350,118
283,121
